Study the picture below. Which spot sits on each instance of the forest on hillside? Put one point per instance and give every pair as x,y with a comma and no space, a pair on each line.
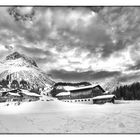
23,84
125,92
128,92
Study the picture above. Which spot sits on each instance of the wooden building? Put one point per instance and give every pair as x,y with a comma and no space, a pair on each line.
64,95
18,95
29,96
10,95
82,92
88,94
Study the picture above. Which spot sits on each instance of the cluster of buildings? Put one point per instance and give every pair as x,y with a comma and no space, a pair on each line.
87,95
18,95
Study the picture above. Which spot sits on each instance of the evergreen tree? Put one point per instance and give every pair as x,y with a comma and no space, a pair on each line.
4,83
23,84
128,92
15,84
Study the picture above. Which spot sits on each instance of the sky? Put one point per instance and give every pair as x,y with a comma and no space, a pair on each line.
75,43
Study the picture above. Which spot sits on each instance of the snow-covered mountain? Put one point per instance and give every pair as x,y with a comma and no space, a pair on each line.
111,84
20,60
18,67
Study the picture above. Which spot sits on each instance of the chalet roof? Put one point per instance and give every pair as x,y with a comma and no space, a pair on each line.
87,87
13,94
104,96
9,90
63,94
3,90
26,92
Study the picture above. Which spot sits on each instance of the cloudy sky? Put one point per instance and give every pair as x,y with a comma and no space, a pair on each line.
75,43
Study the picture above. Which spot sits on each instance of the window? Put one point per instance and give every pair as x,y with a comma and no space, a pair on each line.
78,100
75,100
88,99
85,100
82,100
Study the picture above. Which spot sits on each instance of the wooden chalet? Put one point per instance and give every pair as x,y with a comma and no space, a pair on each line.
10,95
29,96
18,95
87,94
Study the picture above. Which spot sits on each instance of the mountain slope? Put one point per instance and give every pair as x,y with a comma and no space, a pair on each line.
18,67
111,84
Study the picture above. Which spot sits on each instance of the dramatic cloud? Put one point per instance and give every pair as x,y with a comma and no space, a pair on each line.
74,43
134,67
80,76
131,77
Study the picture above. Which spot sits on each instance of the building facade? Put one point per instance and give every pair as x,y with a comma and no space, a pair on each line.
82,92
87,95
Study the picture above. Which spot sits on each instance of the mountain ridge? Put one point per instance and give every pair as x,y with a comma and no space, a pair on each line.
17,56
18,67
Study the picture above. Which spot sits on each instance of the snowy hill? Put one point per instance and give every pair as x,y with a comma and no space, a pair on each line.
18,67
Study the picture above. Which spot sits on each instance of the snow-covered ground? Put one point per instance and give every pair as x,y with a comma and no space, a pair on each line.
61,117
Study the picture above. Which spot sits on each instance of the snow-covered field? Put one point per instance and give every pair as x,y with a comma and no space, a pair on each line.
61,117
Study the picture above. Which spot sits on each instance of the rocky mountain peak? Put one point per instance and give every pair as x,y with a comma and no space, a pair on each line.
17,68
17,55
14,56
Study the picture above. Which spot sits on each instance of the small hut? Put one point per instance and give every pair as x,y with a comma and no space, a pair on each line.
10,95
29,96
18,95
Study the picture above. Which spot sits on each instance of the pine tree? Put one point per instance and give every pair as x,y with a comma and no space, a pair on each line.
131,92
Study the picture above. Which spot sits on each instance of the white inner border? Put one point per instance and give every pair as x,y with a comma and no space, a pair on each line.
70,3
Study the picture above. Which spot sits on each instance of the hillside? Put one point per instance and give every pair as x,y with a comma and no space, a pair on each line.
18,70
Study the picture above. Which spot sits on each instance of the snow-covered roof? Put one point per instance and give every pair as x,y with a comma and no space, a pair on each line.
104,96
8,90
68,88
84,87
3,90
63,93
106,92
14,94
26,92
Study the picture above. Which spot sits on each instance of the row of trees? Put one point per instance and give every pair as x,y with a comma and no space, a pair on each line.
72,84
128,92
14,84
4,83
